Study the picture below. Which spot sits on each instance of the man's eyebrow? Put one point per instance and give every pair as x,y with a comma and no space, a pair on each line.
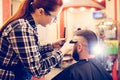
73,41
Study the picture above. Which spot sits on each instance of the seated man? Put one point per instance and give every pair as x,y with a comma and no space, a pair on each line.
86,67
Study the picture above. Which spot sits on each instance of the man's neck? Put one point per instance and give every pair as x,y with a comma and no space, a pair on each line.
85,56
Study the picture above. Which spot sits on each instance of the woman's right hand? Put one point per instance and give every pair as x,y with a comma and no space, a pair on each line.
67,47
59,43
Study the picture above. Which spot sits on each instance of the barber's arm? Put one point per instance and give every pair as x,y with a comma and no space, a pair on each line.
26,47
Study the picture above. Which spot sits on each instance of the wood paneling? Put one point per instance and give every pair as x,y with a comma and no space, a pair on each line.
6,9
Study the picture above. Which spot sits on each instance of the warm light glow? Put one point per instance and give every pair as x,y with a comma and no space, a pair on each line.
82,8
93,9
66,1
102,26
70,9
98,49
99,0
108,23
114,28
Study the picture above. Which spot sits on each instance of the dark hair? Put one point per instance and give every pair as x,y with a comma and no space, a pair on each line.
29,6
47,5
90,36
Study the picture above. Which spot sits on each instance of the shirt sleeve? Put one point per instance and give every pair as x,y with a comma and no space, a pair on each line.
24,41
45,50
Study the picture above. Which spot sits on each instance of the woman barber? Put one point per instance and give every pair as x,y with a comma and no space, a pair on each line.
19,46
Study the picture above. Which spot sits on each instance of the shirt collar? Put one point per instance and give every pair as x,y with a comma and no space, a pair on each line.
31,21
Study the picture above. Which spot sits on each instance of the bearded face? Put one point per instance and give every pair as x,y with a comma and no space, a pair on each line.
75,54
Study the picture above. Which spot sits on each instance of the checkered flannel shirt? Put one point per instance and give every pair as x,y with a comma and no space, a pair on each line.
19,41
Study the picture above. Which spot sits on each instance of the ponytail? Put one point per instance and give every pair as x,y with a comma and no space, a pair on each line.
29,6
23,11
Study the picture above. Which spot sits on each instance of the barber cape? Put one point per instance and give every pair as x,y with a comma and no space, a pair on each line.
84,70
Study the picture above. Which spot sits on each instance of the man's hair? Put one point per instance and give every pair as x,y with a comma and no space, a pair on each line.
90,36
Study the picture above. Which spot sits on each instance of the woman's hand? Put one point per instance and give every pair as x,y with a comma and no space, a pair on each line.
59,43
67,47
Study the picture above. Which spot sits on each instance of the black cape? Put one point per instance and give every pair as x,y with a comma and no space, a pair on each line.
84,70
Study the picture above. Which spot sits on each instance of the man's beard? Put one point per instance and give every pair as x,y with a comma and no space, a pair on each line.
75,54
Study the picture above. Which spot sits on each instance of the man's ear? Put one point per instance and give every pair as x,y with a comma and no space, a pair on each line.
79,47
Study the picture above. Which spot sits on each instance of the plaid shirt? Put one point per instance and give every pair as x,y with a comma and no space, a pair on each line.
19,42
